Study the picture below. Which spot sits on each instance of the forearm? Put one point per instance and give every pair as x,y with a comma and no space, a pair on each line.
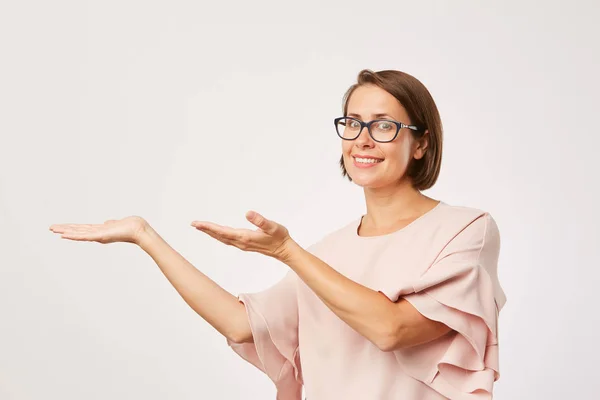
367,311
214,304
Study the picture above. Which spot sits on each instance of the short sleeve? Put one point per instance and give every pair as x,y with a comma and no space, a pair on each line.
273,317
461,290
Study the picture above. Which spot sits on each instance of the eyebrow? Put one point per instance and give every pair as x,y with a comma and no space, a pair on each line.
376,115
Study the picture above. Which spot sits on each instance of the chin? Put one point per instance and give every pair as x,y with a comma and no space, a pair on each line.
366,182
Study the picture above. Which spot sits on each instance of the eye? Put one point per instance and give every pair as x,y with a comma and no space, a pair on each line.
353,124
386,126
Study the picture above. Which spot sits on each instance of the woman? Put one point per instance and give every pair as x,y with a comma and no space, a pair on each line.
401,303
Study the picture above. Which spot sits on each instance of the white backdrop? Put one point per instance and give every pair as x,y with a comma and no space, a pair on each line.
183,110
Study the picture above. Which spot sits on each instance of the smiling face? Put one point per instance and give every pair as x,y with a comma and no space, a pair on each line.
369,102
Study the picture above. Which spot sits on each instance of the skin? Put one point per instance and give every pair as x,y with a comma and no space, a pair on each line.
391,201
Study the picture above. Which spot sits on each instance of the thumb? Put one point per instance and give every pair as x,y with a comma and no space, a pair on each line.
261,222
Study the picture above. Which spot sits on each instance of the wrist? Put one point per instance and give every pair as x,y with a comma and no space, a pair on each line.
289,251
145,235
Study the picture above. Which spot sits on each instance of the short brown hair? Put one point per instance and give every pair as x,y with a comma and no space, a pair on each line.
422,111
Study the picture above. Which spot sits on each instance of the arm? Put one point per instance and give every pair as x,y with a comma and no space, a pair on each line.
214,304
388,325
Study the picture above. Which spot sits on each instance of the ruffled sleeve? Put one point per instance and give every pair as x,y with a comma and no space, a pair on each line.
273,317
460,289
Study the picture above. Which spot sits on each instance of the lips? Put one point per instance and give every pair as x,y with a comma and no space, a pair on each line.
367,157
366,164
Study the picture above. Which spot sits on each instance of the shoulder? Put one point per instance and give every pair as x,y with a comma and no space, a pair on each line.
466,221
472,241
452,228
333,238
443,225
460,213
467,228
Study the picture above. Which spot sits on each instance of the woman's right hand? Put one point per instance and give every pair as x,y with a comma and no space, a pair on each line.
129,229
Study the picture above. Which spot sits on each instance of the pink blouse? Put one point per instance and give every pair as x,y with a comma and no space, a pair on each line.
444,263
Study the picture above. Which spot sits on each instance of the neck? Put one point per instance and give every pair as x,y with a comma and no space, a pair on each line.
392,205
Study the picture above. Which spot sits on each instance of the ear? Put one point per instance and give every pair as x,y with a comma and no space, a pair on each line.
421,145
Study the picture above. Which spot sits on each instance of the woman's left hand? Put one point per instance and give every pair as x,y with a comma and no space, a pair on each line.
271,238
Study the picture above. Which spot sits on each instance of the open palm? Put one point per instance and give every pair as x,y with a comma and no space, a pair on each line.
269,239
127,229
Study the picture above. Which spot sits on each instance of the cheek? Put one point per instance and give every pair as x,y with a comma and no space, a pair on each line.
398,153
346,146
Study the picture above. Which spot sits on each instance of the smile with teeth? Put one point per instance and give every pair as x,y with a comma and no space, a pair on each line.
367,160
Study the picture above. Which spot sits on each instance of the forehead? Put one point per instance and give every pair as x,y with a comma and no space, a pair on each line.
369,100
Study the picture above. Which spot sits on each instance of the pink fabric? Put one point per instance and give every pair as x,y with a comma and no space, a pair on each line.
444,264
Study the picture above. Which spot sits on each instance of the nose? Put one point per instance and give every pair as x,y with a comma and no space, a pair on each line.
364,140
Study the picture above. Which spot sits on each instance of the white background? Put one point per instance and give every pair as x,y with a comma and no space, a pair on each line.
178,111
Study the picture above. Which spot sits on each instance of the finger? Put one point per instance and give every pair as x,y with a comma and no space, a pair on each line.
202,224
64,227
261,222
83,231
241,238
61,228
84,237
223,231
218,237
72,229
58,226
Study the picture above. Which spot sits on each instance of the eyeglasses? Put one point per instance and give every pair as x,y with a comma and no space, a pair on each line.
381,130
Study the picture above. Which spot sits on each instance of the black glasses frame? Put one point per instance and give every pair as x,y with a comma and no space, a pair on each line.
399,125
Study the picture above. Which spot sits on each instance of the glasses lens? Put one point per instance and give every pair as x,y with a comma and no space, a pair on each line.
383,131
347,128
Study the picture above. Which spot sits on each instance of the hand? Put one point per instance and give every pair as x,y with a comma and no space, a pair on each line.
271,238
129,229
